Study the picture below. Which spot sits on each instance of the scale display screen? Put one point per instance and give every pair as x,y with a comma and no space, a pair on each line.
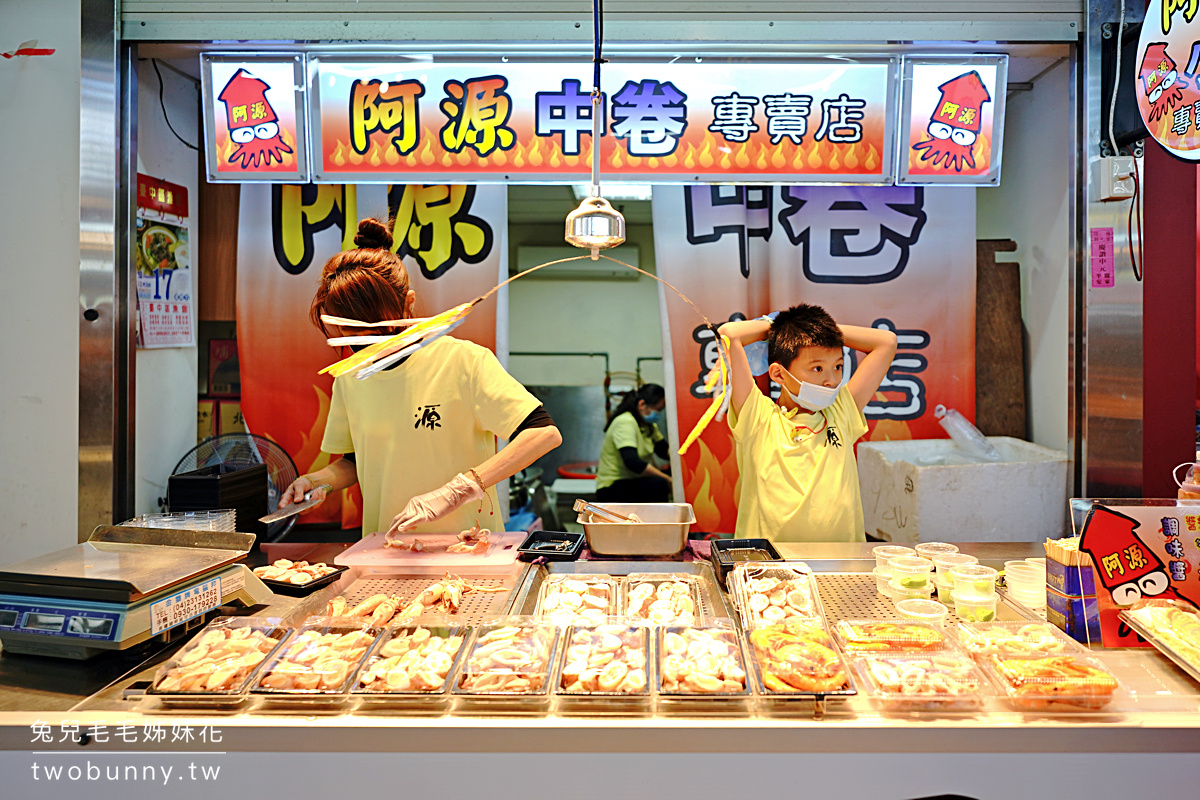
8,618
43,622
90,626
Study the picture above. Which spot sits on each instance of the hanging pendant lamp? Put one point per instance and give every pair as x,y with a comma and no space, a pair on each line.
595,225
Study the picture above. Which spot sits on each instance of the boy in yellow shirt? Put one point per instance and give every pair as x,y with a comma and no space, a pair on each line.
799,476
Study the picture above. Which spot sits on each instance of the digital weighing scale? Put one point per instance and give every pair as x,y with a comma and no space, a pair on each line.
121,587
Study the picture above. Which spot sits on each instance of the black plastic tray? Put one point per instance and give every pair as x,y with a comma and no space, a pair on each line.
301,589
529,550
723,564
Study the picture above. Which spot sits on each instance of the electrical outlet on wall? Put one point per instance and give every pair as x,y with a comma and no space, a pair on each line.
1116,178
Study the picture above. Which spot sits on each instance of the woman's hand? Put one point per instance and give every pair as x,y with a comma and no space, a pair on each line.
436,504
301,487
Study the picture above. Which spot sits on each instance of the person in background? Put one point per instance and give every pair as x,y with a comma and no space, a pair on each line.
799,478
419,438
632,440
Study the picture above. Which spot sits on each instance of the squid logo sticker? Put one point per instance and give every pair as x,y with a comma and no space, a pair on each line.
955,123
1127,567
1161,81
253,124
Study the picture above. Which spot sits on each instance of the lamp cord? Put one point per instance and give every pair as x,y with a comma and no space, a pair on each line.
597,101
163,104
1112,105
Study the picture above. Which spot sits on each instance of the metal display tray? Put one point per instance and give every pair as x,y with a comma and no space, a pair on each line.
713,602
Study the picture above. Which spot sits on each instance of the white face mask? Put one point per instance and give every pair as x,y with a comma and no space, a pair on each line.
811,396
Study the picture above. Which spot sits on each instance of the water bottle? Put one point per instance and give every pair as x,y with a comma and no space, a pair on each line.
965,435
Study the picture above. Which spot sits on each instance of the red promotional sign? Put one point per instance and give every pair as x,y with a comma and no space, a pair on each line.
162,196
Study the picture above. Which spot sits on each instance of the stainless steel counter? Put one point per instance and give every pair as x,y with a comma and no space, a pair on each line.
1164,719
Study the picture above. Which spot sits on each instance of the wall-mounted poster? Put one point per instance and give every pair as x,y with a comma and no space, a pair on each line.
952,120
166,314
254,117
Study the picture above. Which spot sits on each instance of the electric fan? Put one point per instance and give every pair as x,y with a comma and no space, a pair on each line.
240,451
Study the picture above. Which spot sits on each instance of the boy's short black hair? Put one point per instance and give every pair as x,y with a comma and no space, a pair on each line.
799,327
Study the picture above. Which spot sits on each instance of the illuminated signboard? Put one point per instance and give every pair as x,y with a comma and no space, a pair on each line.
1166,81
254,117
418,121
952,120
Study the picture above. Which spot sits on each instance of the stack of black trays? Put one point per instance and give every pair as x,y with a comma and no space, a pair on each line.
223,486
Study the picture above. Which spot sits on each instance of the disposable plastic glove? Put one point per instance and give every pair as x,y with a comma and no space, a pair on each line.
427,507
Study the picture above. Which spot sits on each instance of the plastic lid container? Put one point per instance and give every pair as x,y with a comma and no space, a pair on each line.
924,682
924,610
1014,638
888,636
1024,568
974,581
775,592
885,552
1040,684
974,609
910,573
797,658
948,561
510,656
895,592
931,549
881,581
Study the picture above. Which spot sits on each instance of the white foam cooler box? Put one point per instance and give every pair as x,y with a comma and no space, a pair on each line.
932,490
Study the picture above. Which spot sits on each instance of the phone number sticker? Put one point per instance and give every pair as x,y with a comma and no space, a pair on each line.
185,605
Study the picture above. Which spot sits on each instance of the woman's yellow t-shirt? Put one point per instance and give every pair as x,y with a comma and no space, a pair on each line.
624,432
414,427
799,477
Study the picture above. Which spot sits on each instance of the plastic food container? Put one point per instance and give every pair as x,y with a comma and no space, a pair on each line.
318,664
930,549
929,611
662,531
218,666
865,636
938,682
769,594
701,669
885,552
797,660
896,594
881,581
1172,626
605,669
568,599
910,572
412,666
1014,638
509,667
663,598
948,561
974,609
974,581
1035,599
1064,682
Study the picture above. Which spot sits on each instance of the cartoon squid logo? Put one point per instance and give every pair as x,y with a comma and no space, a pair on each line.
253,125
1161,81
954,126
1126,565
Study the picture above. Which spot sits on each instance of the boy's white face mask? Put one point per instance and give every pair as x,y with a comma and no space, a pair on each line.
811,396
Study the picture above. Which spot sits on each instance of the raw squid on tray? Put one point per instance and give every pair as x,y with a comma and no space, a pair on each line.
774,594
475,541
663,601
219,660
1038,684
700,661
1011,638
934,682
797,657
509,659
317,661
413,660
440,597
877,636
585,599
1175,623
606,659
297,572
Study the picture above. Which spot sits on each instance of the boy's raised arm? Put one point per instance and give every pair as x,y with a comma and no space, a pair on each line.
740,334
880,347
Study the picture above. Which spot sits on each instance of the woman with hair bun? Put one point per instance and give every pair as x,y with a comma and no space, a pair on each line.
419,438
625,473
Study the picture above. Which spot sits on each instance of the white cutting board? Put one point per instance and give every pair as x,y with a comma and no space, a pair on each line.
370,552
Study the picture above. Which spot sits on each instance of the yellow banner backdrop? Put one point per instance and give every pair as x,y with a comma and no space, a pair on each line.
898,257
452,240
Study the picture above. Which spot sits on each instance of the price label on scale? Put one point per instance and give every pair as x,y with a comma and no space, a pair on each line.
185,605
